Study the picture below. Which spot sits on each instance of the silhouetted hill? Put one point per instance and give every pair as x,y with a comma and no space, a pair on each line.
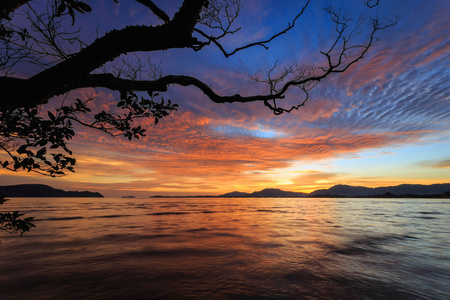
345,190
404,189
42,190
352,191
277,193
266,193
235,195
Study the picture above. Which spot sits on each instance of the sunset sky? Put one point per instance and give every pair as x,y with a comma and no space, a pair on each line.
386,121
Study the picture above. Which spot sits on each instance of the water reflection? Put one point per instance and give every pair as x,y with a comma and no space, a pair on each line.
228,249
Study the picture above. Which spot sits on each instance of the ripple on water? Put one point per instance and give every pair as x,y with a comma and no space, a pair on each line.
246,249
168,213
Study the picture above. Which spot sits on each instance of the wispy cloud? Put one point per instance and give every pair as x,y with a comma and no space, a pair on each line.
397,95
440,164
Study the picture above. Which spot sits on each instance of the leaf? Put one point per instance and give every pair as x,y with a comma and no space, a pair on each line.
76,6
22,149
41,143
57,158
61,9
51,116
84,6
41,152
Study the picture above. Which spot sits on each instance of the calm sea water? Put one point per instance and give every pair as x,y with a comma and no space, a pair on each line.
189,248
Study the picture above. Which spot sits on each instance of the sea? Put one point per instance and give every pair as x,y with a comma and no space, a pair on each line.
228,248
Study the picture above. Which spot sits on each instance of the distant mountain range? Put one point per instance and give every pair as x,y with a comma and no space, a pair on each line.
353,191
42,190
400,190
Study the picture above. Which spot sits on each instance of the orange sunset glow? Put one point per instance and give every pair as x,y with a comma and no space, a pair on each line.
383,122
224,149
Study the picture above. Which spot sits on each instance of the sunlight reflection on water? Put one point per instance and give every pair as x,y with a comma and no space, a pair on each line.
229,248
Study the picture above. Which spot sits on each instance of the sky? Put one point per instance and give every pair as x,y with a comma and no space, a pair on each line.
384,122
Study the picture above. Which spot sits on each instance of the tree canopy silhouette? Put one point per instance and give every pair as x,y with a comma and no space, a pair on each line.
43,34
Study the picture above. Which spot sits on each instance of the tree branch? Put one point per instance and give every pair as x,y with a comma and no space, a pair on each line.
8,6
155,9
260,43
161,85
39,88
371,3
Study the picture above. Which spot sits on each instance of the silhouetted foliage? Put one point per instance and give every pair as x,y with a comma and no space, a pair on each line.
28,134
37,136
12,223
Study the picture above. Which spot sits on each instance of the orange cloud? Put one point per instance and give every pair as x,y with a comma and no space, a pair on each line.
186,153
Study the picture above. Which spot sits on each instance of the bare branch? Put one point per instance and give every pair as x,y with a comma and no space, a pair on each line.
337,61
372,3
260,43
155,9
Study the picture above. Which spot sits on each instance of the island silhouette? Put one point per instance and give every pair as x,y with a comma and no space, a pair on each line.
441,190
42,190
340,190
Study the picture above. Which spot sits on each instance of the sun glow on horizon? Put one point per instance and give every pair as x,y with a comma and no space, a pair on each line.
385,121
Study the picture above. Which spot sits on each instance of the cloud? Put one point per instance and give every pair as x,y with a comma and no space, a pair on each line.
188,147
439,164
397,95
403,48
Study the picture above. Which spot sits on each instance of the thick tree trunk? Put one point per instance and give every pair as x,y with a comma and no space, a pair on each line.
39,88
58,79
